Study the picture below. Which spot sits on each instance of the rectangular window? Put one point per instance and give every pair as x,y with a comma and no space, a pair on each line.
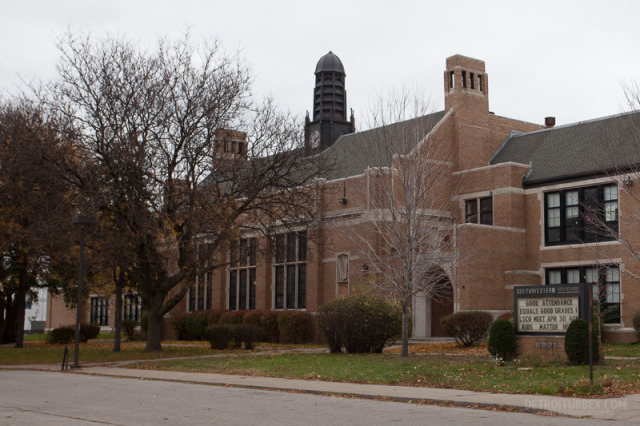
471,80
471,211
464,79
581,215
480,83
242,276
201,291
486,211
451,80
605,284
132,307
484,206
290,273
99,311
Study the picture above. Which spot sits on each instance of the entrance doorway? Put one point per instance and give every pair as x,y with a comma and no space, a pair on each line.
428,310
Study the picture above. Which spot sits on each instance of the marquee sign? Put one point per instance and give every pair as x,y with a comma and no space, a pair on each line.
548,309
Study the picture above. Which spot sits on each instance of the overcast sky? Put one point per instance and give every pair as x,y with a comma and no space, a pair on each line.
567,59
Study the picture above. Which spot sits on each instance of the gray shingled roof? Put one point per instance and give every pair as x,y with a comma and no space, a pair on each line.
587,148
351,154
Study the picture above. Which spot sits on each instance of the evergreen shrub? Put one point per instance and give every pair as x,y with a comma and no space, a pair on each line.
576,343
636,324
502,340
467,327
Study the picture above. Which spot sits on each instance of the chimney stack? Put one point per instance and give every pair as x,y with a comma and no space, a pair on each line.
549,122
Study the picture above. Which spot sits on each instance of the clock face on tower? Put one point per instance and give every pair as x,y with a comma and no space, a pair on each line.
314,140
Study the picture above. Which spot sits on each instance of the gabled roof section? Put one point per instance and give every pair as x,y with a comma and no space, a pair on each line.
351,154
587,148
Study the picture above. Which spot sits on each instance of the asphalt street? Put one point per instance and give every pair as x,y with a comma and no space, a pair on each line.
54,398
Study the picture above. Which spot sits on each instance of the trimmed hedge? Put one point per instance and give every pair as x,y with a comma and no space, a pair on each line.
89,331
269,324
636,324
467,327
244,333
179,325
360,324
576,342
297,326
197,322
67,333
64,334
219,336
502,340
231,317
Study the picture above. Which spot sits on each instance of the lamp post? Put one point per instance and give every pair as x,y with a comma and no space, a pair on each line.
83,221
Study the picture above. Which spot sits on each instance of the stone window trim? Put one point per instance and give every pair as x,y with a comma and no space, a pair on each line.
199,297
99,310
241,275
479,210
132,307
289,271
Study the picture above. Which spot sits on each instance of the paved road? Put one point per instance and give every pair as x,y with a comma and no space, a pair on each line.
53,398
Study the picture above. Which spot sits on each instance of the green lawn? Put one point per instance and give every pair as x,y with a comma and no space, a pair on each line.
41,353
432,366
441,371
620,349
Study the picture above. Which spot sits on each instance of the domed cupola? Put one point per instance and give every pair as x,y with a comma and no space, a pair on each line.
329,63
329,106
330,96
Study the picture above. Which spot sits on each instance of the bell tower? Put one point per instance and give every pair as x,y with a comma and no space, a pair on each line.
329,106
466,92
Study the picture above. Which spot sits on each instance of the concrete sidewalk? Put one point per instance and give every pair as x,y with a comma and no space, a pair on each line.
626,408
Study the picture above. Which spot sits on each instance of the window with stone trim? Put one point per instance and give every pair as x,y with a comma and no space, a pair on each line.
242,275
99,310
201,291
479,210
132,309
290,271
605,282
581,215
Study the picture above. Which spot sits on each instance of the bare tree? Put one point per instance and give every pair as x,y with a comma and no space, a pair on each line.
407,235
152,127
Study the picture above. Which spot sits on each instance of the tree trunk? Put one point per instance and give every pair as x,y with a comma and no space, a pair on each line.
2,313
405,329
154,332
20,305
8,331
118,316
